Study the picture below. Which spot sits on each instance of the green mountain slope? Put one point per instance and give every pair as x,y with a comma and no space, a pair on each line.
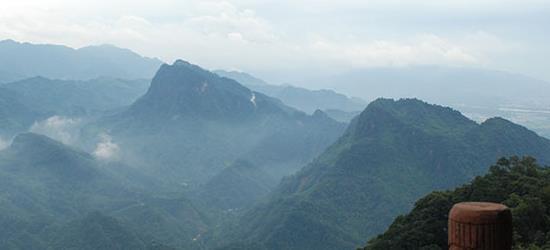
95,231
521,184
173,221
44,177
45,184
392,154
237,186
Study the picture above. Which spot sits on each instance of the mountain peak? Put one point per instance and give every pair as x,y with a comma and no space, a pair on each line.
320,115
39,152
37,146
28,140
184,89
506,130
180,62
497,121
430,118
8,41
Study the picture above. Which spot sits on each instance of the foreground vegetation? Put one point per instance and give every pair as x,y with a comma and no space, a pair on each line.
520,183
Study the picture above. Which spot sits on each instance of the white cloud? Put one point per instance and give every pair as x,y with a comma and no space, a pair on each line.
59,128
422,49
287,35
4,143
236,36
106,149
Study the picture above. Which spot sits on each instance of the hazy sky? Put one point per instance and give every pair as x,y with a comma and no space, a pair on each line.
298,36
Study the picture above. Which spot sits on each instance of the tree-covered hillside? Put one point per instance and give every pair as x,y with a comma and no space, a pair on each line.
50,192
521,184
392,154
236,187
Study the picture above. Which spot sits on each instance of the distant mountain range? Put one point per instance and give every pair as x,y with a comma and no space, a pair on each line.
242,77
24,60
25,103
299,98
392,154
76,98
450,86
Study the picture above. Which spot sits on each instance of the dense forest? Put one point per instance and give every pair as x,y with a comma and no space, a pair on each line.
520,183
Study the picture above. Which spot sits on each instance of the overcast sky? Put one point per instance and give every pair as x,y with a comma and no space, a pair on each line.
295,37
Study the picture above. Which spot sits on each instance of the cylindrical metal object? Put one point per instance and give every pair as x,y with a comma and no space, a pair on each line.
480,225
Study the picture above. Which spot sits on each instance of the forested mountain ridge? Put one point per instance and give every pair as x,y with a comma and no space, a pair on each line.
393,153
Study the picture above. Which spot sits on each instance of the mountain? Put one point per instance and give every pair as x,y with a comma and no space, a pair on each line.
392,154
477,93
299,98
192,123
342,116
95,231
43,182
51,194
186,90
311,100
237,186
77,98
15,116
43,176
521,184
242,77
170,220
24,60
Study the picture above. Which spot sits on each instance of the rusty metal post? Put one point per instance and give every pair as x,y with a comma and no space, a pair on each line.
480,225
